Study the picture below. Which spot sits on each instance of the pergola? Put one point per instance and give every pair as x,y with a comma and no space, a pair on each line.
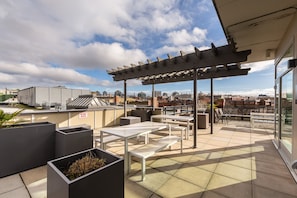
216,62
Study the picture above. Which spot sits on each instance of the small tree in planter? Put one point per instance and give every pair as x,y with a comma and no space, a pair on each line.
24,146
105,181
7,119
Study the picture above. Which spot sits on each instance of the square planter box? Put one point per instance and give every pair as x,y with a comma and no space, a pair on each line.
107,181
26,146
72,140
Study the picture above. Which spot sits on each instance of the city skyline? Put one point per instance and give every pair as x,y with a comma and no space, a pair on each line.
72,44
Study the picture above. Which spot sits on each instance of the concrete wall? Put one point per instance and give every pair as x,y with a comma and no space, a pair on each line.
96,119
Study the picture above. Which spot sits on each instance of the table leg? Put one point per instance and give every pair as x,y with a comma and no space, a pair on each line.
101,140
188,129
126,157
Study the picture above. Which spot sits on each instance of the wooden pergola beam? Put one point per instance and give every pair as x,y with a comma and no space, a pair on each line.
200,76
199,59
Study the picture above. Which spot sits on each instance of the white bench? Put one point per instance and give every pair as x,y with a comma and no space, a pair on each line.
151,149
262,118
106,139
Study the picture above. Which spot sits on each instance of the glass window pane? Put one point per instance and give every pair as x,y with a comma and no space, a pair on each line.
287,110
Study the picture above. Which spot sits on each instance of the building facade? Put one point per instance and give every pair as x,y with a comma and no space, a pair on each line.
49,96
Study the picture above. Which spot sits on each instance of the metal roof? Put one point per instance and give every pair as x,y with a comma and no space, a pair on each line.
85,102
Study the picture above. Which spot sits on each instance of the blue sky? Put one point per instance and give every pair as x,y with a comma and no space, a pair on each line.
73,43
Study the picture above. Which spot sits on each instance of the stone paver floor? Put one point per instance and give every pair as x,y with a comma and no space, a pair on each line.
235,161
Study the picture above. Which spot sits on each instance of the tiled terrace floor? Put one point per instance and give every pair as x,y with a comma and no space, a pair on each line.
235,161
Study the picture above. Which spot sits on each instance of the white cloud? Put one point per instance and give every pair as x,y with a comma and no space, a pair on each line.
98,55
259,66
250,92
183,37
24,72
175,50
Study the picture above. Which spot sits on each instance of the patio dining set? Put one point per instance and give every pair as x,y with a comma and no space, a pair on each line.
144,129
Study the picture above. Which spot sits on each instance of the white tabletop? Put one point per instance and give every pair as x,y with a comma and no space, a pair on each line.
174,117
132,130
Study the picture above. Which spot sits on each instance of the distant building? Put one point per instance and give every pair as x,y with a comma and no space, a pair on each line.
49,96
8,92
158,93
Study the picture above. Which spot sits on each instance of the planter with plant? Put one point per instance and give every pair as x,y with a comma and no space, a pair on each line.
24,146
90,173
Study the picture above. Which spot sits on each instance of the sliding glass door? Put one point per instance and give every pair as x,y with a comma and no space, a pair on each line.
286,110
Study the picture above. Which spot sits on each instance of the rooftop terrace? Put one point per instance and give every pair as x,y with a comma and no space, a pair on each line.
235,161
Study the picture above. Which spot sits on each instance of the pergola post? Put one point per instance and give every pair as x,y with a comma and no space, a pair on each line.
125,98
211,106
153,95
195,108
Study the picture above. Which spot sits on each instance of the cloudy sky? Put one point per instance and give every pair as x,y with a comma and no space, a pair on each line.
73,43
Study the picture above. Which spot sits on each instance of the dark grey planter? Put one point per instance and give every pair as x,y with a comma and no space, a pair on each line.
26,146
107,181
72,140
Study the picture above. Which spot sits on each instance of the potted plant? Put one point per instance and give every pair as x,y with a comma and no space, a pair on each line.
103,181
8,119
73,139
24,146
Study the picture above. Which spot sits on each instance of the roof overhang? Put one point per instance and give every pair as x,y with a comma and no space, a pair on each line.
256,25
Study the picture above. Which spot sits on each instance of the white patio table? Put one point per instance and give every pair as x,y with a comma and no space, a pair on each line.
127,132
172,118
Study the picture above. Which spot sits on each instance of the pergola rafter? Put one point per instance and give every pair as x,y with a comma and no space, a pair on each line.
205,73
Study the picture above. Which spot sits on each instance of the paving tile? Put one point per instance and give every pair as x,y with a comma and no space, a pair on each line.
242,190
219,181
271,168
168,165
261,192
182,158
237,152
235,172
20,192
194,175
206,164
276,183
238,161
154,179
10,183
212,194
133,190
33,175
176,187
37,189
268,157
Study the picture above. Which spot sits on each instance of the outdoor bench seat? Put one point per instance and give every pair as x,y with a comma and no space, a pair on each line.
106,139
183,130
151,149
179,125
